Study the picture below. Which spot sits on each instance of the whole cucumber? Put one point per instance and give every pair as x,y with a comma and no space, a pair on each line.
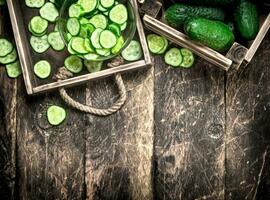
213,34
178,14
247,19
208,2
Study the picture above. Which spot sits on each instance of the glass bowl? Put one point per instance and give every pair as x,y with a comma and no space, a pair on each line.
128,33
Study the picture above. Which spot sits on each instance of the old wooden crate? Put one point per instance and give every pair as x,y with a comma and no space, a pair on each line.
20,15
237,55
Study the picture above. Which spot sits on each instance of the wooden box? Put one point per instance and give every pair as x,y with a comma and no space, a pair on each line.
20,16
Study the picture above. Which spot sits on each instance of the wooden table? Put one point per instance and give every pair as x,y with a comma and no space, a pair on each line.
182,134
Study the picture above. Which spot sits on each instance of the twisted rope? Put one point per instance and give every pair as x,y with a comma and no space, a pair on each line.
63,73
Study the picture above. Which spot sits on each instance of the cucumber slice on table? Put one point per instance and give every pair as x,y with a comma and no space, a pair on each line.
77,44
38,25
188,58
118,14
73,26
56,115
49,12
95,38
9,58
36,34
34,3
75,10
88,5
6,47
173,57
99,21
133,51
93,66
74,64
166,43
39,44
119,44
56,42
155,43
107,3
14,69
107,39
42,69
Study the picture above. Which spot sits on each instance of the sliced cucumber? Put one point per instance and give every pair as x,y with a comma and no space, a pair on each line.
38,25
6,47
91,56
35,34
95,38
77,44
166,43
14,69
88,45
74,64
12,57
107,3
34,3
70,50
73,26
118,14
173,57
99,21
123,26
88,5
103,52
56,42
84,20
75,10
49,12
93,66
133,51
115,29
119,44
39,44
42,69
155,43
101,8
56,115
107,39
188,58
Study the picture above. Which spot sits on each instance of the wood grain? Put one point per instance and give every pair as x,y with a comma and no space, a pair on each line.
119,148
50,159
189,132
248,129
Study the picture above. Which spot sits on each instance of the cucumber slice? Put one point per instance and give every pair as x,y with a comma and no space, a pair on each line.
84,20
93,66
56,42
38,25
173,57
34,3
75,10
91,56
103,52
35,34
77,44
42,69
39,44
12,57
74,64
88,5
95,38
115,29
13,69
69,36
155,43
123,26
133,51
49,12
56,115
118,14
73,26
107,39
86,30
107,3
101,8
6,47
70,50
166,43
99,21
119,44
88,46
188,58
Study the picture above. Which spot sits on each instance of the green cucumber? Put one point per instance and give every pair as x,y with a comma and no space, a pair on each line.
56,115
77,44
74,64
56,42
12,57
119,44
6,47
75,10
49,12
38,25
73,26
107,3
42,69
39,44
107,39
213,34
34,3
188,58
173,57
178,14
93,66
119,14
95,38
247,19
155,42
133,51
13,69
88,5
99,21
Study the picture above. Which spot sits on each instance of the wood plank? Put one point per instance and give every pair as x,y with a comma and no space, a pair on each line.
50,160
189,130
119,148
248,129
7,135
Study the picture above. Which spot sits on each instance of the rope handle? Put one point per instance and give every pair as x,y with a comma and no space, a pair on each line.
63,73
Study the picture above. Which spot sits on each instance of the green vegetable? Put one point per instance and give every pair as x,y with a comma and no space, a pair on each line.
56,115
74,64
173,57
188,58
49,12
155,42
6,47
178,14
247,19
14,69
133,51
34,3
213,34
93,66
39,44
56,42
42,69
9,58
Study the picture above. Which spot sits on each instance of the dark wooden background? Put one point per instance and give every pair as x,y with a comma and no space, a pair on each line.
182,134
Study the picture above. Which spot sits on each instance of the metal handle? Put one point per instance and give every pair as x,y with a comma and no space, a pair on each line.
182,40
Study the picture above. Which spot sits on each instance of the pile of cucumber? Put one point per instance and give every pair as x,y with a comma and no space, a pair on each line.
205,21
174,57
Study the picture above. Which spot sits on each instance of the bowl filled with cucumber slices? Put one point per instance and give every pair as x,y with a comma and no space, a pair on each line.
96,30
